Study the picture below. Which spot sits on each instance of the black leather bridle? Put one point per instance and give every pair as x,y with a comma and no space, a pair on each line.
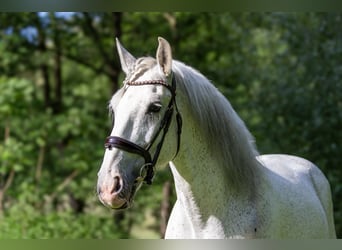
147,170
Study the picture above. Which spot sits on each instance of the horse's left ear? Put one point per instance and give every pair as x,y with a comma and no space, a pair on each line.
164,56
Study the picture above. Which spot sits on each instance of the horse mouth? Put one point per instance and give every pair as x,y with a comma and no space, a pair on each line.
123,207
128,203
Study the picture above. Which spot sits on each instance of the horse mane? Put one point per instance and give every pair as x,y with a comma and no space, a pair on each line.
231,142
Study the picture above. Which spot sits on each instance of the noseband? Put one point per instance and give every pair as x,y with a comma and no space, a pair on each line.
147,170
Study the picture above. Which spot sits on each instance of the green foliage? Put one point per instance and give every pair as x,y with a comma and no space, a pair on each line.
11,156
15,97
280,71
26,222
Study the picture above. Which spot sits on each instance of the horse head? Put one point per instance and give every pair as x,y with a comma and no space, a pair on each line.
144,111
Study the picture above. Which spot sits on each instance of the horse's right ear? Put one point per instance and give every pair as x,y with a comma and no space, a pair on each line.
126,59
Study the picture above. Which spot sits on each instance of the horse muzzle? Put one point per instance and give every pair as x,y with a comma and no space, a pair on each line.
110,193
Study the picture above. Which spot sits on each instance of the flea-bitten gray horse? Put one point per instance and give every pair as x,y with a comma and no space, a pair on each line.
167,112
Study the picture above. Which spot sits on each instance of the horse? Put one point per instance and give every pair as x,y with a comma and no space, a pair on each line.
168,113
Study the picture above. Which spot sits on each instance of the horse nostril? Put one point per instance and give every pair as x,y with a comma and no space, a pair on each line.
117,186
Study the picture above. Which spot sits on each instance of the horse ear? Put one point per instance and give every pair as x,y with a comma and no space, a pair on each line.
126,59
164,56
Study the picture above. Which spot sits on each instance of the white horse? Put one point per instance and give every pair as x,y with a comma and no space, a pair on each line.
224,188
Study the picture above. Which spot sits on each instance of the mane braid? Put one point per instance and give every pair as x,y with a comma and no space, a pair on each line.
230,141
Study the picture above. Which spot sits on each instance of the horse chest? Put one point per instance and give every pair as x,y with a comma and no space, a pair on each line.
188,221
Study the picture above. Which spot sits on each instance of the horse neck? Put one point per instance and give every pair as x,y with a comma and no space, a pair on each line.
205,182
200,180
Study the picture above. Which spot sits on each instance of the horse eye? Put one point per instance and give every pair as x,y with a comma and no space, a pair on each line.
154,108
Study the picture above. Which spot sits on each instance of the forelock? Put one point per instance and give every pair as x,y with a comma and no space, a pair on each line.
142,65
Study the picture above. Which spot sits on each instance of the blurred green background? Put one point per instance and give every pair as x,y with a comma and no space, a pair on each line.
281,72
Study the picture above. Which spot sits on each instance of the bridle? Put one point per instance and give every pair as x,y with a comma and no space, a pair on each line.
147,170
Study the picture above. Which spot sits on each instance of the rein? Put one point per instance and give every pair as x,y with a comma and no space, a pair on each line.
147,170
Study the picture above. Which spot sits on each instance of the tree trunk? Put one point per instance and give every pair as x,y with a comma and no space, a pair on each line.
43,66
165,207
4,188
58,65
115,66
58,78
40,162
9,179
